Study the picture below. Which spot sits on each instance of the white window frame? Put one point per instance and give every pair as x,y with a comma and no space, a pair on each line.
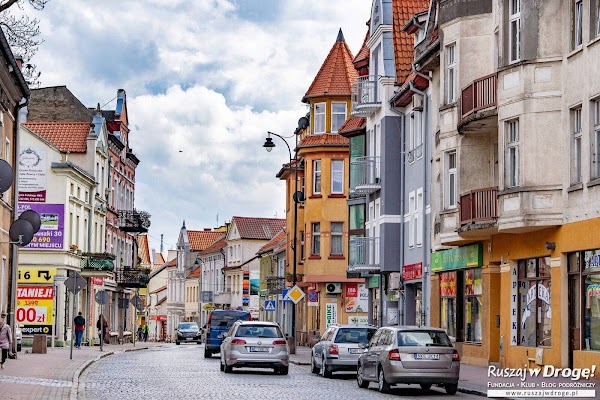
512,153
320,118
576,163
577,24
451,179
337,173
419,218
450,75
316,177
315,234
514,22
595,109
411,219
338,235
597,18
334,113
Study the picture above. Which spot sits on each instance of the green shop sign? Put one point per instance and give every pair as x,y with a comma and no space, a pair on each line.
461,257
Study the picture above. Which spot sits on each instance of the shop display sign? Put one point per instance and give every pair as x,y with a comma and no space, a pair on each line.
448,284
412,271
357,297
330,314
458,258
473,282
593,290
514,297
34,308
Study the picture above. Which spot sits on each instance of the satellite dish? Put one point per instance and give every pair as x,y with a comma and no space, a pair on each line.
6,176
21,229
303,123
298,197
33,218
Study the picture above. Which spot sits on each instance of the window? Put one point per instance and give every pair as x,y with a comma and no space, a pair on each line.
448,302
316,176
337,176
512,153
596,14
320,118
584,299
577,27
338,115
514,30
419,218
337,236
316,239
473,305
451,179
450,74
576,146
302,245
596,140
411,221
535,313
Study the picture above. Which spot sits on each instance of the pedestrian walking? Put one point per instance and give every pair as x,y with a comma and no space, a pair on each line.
5,339
102,326
79,328
145,331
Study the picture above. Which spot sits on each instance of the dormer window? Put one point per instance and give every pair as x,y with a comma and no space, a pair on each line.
319,118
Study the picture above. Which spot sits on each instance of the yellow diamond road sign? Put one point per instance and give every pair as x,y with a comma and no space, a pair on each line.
295,294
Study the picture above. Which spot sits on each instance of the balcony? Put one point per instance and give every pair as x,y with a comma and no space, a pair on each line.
134,221
478,105
275,284
97,262
131,277
478,210
365,96
364,255
364,177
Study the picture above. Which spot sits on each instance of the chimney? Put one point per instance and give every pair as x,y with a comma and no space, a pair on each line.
19,61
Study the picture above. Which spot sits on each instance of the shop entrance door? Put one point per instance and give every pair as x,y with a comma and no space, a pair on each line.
419,311
574,317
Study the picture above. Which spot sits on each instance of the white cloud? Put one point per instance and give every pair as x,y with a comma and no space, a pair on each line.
202,77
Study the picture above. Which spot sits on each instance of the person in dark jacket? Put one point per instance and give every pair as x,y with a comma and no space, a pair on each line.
102,326
79,328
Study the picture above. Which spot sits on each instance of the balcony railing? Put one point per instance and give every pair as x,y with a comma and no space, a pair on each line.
480,94
479,205
275,284
364,255
131,277
366,98
364,175
134,221
97,262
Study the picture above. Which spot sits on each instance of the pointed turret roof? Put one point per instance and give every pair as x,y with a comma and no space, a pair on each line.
337,74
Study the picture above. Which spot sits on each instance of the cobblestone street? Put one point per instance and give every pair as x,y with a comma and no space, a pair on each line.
181,372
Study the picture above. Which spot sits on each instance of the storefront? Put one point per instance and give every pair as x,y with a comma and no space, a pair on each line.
413,294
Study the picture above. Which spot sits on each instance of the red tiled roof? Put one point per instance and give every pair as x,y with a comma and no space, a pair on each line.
352,124
326,139
271,244
160,260
65,136
172,263
216,245
160,289
337,74
194,274
403,10
258,228
143,249
200,240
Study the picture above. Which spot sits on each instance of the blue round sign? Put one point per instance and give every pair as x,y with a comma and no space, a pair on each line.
313,296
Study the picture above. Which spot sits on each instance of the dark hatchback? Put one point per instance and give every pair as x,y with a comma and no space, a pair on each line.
188,332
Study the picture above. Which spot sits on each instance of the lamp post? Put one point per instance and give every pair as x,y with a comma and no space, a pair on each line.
302,124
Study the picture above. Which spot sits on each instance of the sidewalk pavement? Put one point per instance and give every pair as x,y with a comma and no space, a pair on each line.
54,375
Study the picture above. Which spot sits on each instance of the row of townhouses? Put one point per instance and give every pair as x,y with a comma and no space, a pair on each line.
446,175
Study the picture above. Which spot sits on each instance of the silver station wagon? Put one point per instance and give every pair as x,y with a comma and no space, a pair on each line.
409,354
255,344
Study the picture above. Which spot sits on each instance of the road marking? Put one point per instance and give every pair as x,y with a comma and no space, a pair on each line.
34,381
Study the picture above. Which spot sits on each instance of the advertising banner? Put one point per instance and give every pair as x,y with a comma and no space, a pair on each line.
51,233
33,174
254,282
330,314
34,308
357,297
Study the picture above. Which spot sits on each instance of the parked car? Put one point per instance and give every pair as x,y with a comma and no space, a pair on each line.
409,354
219,322
188,332
339,348
19,337
255,344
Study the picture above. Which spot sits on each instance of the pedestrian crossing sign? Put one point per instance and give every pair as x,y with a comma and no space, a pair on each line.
269,305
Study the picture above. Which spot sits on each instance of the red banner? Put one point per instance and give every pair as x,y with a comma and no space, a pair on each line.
158,318
35,292
412,271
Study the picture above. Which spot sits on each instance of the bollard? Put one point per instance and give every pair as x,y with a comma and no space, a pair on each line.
39,344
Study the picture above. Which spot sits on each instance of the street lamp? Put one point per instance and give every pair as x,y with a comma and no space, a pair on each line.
302,124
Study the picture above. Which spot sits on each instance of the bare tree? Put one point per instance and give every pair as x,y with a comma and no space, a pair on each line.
23,35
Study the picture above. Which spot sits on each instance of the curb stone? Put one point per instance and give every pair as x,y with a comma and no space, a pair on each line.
79,371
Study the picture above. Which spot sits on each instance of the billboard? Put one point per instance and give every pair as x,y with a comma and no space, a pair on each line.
33,174
51,233
34,308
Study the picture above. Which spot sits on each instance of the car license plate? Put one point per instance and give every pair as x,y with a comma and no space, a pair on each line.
420,356
354,351
189,338
259,349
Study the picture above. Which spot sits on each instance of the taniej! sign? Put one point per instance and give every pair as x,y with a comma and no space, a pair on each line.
34,308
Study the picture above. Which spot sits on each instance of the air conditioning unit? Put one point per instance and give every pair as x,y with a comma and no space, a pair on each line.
333,288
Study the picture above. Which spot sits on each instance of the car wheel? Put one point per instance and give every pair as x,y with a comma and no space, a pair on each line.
177,343
362,383
227,369
384,386
313,366
451,388
282,370
222,365
207,354
425,386
325,371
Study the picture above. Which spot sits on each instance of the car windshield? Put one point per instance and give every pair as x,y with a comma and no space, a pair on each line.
227,318
261,331
188,326
423,338
354,335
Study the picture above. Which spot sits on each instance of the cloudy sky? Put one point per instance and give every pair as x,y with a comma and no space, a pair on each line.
205,81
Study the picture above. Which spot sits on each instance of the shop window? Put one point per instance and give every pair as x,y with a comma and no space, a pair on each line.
448,303
535,313
584,299
473,305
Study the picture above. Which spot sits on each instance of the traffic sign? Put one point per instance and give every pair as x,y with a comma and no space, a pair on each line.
269,305
137,303
101,297
284,296
295,294
75,282
36,275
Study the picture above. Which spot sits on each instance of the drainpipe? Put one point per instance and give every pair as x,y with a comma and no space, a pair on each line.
223,273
